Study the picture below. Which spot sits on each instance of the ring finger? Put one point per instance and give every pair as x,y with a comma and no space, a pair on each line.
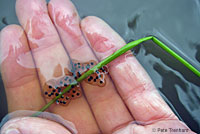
51,60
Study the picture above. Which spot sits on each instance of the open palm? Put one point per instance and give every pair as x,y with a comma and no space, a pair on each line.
55,34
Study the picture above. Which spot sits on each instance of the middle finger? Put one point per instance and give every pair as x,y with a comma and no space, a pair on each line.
107,106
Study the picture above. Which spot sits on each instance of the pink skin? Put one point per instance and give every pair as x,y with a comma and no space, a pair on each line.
96,39
108,111
50,58
35,126
136,88
67,22
43,38
158,128
16,54
69,30
18,70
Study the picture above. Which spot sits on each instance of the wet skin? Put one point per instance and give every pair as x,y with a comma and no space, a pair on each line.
52,31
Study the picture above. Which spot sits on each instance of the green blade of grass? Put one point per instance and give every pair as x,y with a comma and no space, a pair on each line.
116,54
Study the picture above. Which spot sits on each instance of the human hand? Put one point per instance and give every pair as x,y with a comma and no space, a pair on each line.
51,34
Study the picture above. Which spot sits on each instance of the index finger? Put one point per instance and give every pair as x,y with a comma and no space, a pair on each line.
131,80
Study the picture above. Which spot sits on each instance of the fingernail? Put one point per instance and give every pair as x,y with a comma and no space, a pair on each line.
12,131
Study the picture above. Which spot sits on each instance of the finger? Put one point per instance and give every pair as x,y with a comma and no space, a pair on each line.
51,58
18,71
131,80
33,125
106,104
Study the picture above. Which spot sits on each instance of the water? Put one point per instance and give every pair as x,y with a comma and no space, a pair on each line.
177,23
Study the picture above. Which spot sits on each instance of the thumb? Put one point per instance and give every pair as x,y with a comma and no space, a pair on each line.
33,125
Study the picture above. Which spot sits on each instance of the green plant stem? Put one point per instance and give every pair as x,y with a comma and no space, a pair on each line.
116,54
175,55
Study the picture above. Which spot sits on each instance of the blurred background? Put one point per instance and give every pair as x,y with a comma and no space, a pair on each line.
176,23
